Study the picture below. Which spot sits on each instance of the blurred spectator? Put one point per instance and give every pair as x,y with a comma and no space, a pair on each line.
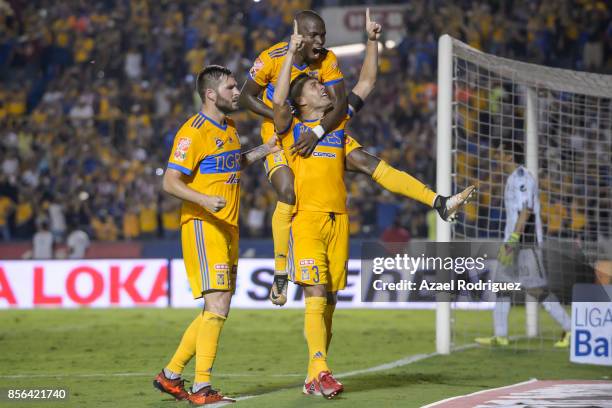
42,243
57,220
395,233
77,242
171,217
91,96
6,208
148,220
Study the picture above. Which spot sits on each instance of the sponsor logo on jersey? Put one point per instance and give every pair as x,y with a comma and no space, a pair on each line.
257,65
308,261
180,153
223,267
326,155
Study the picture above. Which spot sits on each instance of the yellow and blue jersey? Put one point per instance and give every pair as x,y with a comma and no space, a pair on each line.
208,153
267,66
319,179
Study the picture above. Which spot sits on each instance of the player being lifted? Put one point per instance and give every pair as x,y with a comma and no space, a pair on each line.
315,61
319,234
204,171
520,257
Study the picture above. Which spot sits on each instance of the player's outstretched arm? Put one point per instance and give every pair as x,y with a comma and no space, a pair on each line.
369,69
173,184
282,110
249,99
257,153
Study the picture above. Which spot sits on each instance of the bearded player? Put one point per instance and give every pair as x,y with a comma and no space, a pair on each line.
317,62
319,234
204,172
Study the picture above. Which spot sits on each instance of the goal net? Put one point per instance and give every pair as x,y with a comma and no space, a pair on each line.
494,114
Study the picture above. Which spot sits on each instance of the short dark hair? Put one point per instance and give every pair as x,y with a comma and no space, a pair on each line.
209,78
308,15
295,89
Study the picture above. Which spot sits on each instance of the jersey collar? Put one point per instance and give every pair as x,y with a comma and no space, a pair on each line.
217,124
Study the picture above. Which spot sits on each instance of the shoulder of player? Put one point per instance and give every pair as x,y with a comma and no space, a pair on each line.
277,50
191,127
329,55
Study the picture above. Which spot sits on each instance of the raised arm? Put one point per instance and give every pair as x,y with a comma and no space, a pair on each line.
282,110
249,99
369,69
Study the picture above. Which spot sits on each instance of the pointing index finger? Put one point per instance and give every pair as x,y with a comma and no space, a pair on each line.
368,15
295,27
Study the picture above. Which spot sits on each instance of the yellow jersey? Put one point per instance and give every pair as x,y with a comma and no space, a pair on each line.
266,69
319,179
208,153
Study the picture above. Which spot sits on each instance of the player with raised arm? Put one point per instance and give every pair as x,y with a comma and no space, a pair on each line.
204,171
359,160
312,59
318,252
520,257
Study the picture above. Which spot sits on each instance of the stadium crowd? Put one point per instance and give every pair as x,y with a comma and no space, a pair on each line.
91,95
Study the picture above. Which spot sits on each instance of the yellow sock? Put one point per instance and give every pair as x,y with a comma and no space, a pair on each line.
316,336
328,315
187,347
206,346
281,224
400,182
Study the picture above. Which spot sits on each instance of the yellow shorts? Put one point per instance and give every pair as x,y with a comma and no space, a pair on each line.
319,249
272,161
210,253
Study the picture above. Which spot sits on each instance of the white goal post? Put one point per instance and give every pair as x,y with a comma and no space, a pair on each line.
561,119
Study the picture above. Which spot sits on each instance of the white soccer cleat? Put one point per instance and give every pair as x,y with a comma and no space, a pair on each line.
448,207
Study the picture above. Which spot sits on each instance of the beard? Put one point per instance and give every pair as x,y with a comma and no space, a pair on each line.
225,105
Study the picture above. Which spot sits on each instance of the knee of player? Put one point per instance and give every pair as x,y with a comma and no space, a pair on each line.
315,291
219,303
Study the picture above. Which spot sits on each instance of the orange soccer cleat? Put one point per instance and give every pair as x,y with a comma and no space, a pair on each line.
206,396
176,387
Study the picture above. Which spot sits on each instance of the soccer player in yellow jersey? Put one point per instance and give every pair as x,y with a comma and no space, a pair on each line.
204,171
313,59
317,62
318,253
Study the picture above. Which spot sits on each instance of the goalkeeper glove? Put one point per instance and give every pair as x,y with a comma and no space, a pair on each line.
507,250
278,291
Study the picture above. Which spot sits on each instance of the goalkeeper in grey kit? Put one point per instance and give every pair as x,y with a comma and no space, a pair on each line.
520,256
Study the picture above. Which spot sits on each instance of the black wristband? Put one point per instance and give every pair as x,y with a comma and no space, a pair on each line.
355,101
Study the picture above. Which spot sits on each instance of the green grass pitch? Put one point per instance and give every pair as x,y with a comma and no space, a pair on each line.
108,358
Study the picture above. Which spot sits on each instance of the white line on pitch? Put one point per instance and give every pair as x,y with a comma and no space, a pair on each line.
388,366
